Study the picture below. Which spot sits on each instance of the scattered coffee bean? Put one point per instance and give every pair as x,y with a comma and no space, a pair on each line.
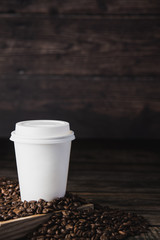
71,218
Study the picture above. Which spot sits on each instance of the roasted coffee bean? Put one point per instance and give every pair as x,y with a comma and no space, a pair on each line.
2,207
21,208
29,210
69,227
39,210
67,221
47,210
17,211
26,204
49,204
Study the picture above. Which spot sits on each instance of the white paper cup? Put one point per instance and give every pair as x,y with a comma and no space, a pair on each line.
42,149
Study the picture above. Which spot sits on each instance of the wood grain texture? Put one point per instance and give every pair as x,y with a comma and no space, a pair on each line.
81,7
114,107
120,174
154,234
14,229
103,163
69,60
79,46
119,170
18,228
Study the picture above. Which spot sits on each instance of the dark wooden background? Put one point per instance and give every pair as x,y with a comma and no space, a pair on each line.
93,63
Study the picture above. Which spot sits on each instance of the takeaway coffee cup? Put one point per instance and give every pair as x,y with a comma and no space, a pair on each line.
42,149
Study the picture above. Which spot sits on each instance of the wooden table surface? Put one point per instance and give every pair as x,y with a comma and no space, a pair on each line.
120,174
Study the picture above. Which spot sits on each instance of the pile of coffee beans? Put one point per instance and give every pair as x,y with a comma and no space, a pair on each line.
70,220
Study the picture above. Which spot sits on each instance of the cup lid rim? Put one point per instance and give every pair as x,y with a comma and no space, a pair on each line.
42,129
18,138
57,123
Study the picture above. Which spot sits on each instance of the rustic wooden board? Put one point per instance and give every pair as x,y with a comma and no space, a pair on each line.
18,228
122,175
81,7
79,46
154,234
115,170
118,96
126,200
112,181
59,43
114,107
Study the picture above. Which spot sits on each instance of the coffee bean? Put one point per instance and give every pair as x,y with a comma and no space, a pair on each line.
67,221
122,233
16,211
82,220
64,213
21,208
29,210
47,210
39,210
69,227
26,204
49,204
2,207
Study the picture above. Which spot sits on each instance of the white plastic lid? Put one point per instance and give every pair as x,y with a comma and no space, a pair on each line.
42,131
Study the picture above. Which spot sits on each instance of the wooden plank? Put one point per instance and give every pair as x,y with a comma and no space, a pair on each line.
112,181
110,187
118,171
146,205
144,202
154,234
20,227
134,190
136,168
120,105
112,159
79,46
102,169
118,96
102,181
81,7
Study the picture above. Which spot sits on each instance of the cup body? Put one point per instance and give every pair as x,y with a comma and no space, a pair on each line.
42,170
42,166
